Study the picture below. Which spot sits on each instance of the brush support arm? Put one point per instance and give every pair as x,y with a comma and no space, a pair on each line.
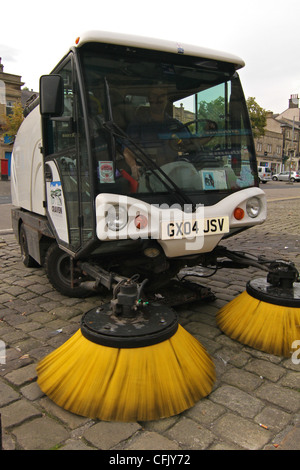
280,273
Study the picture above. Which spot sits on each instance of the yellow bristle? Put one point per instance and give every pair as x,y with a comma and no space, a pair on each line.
130,384
261,325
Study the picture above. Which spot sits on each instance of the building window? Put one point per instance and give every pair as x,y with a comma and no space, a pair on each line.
259,146
278,150
269,148
9,107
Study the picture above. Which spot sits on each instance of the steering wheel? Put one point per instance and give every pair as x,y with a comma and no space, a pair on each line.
210,126
189,143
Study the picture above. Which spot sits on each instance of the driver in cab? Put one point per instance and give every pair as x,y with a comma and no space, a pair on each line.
156,131
164,138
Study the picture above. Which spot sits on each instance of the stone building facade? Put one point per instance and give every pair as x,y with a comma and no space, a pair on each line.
10,93
279,148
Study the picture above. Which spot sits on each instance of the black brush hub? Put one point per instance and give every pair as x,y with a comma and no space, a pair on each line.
263,290
151,324
127,321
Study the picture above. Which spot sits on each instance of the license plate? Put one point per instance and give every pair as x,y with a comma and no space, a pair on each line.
194,228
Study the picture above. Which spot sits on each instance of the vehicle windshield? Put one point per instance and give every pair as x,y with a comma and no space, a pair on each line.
157,118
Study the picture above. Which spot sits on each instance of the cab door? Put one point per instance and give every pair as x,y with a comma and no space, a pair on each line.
67,194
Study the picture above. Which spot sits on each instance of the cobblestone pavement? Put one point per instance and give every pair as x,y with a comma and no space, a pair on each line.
255,401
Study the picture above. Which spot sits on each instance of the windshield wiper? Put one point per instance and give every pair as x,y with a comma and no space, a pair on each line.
172,187
115,130
110,118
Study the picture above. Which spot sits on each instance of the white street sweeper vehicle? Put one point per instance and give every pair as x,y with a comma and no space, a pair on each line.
135,162
137,158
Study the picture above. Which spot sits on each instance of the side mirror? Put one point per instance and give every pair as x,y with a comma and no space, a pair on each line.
51,95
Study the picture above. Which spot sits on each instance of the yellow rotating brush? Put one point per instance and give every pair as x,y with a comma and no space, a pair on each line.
128,362
267,315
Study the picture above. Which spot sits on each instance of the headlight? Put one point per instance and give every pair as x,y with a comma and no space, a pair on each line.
116,218
253,207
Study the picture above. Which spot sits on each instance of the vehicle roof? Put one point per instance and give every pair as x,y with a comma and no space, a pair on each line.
158,45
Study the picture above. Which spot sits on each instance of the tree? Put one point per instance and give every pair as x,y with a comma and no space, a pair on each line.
12,122
258,117
212,109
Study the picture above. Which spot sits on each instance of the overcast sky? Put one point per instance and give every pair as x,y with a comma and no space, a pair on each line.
264,33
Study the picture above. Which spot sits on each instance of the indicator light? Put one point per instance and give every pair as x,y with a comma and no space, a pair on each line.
140,221
238,213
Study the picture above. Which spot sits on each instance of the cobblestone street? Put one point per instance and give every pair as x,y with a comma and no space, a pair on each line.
255,401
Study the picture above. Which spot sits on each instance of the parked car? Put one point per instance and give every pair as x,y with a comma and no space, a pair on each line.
264,174
287,176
